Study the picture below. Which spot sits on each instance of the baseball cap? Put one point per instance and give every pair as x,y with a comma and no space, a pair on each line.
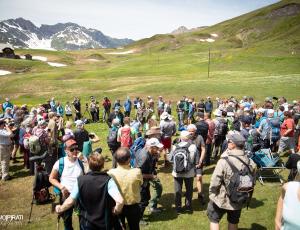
154,142
185,134
70,142
79,123
236,138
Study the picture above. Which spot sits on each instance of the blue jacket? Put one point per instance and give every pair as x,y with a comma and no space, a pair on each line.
127,105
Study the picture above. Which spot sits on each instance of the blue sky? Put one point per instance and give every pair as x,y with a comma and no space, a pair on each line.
134,19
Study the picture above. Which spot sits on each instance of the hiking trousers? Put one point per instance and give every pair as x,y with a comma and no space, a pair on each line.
5,151
145,197
178,182
157,191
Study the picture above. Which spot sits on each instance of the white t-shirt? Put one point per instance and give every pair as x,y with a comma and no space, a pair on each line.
71,172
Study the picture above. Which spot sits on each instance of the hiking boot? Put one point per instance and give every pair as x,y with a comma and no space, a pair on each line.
179,210
154,210
201,199
143,223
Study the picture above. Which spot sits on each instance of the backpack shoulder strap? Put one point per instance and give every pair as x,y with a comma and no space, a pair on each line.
61,164
81,165
230,164
243,162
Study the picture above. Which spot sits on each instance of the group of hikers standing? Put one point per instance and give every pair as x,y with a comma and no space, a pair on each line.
139,133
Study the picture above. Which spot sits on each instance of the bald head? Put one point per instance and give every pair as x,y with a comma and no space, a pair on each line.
122,156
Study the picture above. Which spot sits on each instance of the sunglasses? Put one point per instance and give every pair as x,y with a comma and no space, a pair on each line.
73,149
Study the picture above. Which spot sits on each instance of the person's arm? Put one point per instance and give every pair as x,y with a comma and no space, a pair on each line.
53,179
216,178
68,203
278,217
114,192
202,157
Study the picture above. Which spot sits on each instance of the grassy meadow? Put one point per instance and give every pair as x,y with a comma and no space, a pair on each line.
254,54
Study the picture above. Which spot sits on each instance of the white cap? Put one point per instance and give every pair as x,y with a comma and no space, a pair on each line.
185,134
270,111
261,110
191,127
154,142
79,123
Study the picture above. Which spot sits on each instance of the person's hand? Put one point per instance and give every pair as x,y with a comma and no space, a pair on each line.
58,209
65,192
115,211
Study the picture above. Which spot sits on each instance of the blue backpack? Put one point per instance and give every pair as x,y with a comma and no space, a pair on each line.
61,164
138,144
275,125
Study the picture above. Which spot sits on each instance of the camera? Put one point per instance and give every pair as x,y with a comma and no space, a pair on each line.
91,136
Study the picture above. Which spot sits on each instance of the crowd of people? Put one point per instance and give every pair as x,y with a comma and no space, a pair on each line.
223,131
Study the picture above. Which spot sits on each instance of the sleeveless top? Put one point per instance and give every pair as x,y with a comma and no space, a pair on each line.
291,207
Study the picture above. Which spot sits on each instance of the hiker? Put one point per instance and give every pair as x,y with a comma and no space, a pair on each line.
129,181
287,132
98,197
287,213
68,111
59,109
5,149
145,161
112,140
184,157
201,106
126,134
80,134
53,105
115,114
291,164
168,129
87,149
160,106
150,103
199,142
7,104
127,107
208,105
93,110
221,129
180,112
77,107
191,110
106,108
64,175
225,199
265,130
41,133
53,143
117,104
168,107
210,137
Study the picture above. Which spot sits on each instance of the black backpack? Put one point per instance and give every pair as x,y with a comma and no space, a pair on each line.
41,194
241,185
181,159
202,129
112,138
223,127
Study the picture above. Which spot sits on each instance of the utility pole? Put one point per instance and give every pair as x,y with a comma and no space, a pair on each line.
208,62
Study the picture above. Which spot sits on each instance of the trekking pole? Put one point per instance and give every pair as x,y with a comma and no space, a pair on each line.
121,224
31,209
57,223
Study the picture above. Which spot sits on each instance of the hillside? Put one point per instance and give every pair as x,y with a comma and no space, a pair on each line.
61,36
174,64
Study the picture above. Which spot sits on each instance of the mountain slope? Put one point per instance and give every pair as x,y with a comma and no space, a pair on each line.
62,36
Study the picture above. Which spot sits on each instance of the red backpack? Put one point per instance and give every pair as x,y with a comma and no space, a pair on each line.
126,139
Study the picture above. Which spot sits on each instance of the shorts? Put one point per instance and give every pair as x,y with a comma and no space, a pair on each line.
167,142
286,143
215,214
199,171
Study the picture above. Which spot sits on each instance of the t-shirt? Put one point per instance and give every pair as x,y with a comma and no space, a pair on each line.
145,161
71,172
288,124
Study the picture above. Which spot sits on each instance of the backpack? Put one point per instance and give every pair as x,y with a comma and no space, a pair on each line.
61,164
181,159
41,185
26,140
126,139
241,184
138,144
202,129
222,127
112,138
34,144
275,125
